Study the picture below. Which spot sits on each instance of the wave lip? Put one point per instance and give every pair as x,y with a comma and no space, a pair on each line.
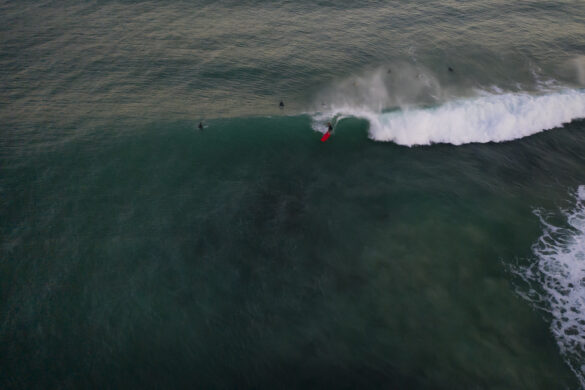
487,118
557,282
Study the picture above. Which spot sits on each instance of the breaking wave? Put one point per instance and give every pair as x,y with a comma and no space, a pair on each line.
490,117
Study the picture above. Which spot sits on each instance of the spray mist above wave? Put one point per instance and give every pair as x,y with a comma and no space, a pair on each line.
410,106
556,282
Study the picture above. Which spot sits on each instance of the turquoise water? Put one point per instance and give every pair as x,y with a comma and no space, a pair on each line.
435,241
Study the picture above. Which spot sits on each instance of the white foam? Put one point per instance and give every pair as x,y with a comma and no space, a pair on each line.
557,282
491,117
581,192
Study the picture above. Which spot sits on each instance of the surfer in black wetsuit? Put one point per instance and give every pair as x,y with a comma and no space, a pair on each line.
281,105
329,127
200,126
450,69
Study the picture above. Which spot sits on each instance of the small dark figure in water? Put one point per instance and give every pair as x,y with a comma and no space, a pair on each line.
389,71
200,126
281,105
450,69
329,127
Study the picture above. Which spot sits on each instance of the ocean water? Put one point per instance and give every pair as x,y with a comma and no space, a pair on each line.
435,241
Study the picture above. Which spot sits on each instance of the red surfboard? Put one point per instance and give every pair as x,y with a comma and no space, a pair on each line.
325,136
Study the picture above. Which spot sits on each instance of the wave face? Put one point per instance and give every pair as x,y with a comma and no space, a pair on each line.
487,118
557,282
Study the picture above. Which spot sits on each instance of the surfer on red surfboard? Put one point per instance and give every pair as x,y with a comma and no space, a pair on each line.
328,133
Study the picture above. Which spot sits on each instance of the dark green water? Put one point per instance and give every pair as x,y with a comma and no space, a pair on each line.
138,251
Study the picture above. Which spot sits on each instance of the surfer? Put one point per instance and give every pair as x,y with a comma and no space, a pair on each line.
450,69
200,126
281,105
328,133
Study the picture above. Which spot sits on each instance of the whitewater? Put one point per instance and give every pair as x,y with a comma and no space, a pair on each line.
556,280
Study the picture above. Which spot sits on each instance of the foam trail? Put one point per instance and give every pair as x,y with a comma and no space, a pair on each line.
486,118
557,282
